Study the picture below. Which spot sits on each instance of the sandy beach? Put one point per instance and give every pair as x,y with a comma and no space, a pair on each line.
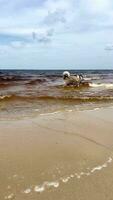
65,156
56,100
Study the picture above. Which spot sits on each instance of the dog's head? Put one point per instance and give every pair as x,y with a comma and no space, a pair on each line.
66,74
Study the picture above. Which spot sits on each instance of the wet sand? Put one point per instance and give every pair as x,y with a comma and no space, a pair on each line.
65,156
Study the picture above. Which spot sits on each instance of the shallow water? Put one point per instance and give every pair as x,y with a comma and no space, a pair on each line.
30,92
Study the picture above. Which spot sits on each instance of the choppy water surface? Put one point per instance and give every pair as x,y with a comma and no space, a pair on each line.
29,92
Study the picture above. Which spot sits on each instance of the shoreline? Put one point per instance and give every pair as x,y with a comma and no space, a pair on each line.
35,113
56,156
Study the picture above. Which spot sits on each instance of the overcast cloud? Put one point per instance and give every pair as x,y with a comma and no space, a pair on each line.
56,34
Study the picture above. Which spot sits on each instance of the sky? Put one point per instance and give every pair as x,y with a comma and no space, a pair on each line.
56,34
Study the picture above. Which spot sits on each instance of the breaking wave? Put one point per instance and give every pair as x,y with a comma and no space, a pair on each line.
105,85
58,98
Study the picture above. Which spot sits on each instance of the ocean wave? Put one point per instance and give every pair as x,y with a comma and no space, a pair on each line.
4,85
77,99
5,97
58,98
35,81
105,85
11,78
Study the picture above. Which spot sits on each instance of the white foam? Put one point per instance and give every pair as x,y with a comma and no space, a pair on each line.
4,96
10,196
87,173
15,176
52,113
39,189
83,173
87,79
65,180
104,165
55,184
52,184
72,176
106,85
27,191
96,168
109,160
36,109
78,176
45,185
96,108
100,167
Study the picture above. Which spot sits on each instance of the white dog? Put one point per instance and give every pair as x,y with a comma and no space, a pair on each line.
72,80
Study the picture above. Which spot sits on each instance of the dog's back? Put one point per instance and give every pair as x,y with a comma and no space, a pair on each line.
73,80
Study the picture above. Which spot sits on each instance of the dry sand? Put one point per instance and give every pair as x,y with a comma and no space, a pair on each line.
62,156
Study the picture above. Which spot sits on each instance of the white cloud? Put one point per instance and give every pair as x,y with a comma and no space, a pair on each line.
109,47
52,5
18,44
32,25
69,13
97,6
24,31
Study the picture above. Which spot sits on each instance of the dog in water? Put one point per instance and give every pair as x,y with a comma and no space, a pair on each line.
74,80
